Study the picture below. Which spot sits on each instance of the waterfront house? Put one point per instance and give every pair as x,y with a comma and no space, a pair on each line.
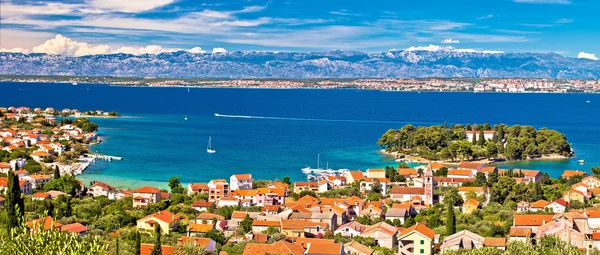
462,240
487,135
367,184
538,205
574,195
194,188
523,206
217,189
324,186
376,173
306,186
530,175
302,228
240,181
337,181
417,239
270,196
102,189
572,173
531,221
208,218
557,206
167,221
202,206
473,166
281,247
591,181
146,195
354,247
350,229
385,234
228,201
470,205
354,176
26,187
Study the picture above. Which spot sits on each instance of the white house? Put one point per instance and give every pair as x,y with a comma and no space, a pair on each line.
228,201
350,229
324,186
557,206
367,184
102,189
240,181
487,135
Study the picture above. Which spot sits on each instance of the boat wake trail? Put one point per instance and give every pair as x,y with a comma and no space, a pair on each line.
305,119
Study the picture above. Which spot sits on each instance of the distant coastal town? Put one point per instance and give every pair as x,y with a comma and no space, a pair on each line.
435,207
508,85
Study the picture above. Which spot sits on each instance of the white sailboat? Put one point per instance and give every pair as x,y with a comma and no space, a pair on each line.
185,118
209,148
319,171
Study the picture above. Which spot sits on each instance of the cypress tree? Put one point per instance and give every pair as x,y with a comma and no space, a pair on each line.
481,137
445,124
117,245
495,137
138,243
500,133
450,220
157,249
474,139
56,173
14,204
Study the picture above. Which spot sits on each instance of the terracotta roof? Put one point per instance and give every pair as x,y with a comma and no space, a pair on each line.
301,224
305,242
238,215
469,165
319,248
487,169
266,223
360,248
43,195
595,191
407,171
560,201
539,204
201,203
102,185
260,237
528,173
209,216
74,228
147,189
460,172
200,228
593,214
243,176
436,165
532,219
377,179
424,230
278,191
271,208
146,249
281,247
596,236
405,206
164,216
520,232
474,189
48,222
199,187
383,227
472,201
306,184
407,190
244,193
573,191
571,173
4,165
357,175
494,242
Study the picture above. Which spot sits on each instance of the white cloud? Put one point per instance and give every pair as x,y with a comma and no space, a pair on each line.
587,55
344,12
563,21
19,50
432,47
61,45
450,41
196,50
150,49
219,50
489,16
544,1
131,6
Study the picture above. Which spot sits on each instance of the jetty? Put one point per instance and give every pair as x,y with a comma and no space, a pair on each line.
103,157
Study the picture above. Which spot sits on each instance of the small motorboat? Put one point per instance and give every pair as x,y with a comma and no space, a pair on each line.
581,161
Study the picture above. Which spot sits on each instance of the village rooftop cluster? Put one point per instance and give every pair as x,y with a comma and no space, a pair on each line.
305,220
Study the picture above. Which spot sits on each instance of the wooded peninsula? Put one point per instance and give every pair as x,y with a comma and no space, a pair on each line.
459,142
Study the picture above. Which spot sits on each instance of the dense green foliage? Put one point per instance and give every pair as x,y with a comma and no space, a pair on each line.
512,143
14,204
550,245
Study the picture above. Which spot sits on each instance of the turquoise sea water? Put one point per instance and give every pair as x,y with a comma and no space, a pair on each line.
274,133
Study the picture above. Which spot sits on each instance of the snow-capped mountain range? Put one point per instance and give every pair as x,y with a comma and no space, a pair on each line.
331,64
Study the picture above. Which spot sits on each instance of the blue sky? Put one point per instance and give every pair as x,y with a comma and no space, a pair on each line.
567,27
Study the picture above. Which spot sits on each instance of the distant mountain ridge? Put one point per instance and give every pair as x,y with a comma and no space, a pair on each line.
330,64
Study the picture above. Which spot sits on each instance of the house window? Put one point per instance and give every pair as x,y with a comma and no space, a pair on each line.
318,228
422,242
422,251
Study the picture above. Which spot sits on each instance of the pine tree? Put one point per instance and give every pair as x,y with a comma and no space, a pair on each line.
481,137
450,220
157,249
138,243
56,173
14,203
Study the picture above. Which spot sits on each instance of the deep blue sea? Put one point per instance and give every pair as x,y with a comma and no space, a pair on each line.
275,132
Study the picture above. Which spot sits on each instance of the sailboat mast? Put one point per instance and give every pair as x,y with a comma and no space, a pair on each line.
318,160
